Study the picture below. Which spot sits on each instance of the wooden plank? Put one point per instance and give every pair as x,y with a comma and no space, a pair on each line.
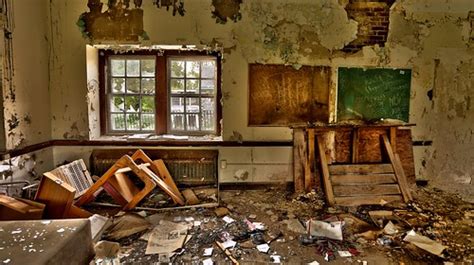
355,179
325,171
160,167
397,167
309,166
366,200
355,146
352,190
360,169
299,158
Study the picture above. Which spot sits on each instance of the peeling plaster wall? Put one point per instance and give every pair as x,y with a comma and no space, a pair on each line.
422,35
26,105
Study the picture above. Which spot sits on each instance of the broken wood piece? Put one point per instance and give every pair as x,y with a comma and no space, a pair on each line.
127,169
20,209
58,197
325,171
190,197
126,225
221,211
122,189
227,252
398,169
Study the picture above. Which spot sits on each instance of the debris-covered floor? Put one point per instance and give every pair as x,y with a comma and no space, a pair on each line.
264,226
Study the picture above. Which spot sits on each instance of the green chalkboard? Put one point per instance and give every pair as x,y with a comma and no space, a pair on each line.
372,94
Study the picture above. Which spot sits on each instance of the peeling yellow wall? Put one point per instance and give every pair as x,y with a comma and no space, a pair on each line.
429,36
26,104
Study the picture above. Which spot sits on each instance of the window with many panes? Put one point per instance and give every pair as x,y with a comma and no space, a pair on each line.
170,92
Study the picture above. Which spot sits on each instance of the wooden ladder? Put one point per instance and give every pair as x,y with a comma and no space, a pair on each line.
362,184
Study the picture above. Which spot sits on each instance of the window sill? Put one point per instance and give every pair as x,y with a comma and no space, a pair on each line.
158,138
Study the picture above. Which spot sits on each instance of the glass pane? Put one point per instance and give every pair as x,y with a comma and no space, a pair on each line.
192,86
148,104
117,67
192,69
118,85
208,69
148,121
148,67
133,85
118,121
132,103
192,105
133,67
116,104
207,87
177,121
192,122
148,85
177,86
208,119
177,105
133,122
177,68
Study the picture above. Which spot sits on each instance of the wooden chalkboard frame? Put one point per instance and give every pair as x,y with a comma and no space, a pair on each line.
390,102
279,105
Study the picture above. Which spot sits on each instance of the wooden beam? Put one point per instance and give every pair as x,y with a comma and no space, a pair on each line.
355,145
299,159
325,171
309,166
398,169
351,190
365,200
360,169
355,179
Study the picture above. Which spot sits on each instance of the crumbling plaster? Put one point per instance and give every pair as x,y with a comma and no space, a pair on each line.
421,33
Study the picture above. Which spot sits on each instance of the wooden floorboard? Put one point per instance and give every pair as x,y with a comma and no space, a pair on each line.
367,200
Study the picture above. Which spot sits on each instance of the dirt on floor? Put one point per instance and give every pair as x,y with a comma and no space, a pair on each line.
374,234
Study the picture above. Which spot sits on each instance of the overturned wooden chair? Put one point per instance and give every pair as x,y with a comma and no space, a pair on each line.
122,189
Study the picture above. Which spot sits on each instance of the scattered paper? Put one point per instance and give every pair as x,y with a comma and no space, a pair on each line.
208,252
197,223
207,262
229,244
189,219
313,263
344,254
98,225
276,258
263,248
60,230
166,238
331,230
425,243
228,220
390,228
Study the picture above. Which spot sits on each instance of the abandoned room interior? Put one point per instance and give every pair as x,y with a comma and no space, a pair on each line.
237,132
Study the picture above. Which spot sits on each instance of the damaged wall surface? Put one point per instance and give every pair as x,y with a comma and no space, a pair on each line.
423,35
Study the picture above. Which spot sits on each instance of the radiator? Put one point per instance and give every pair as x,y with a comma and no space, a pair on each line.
187,167
76,175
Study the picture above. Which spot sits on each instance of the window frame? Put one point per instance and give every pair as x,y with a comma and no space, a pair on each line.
162,89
